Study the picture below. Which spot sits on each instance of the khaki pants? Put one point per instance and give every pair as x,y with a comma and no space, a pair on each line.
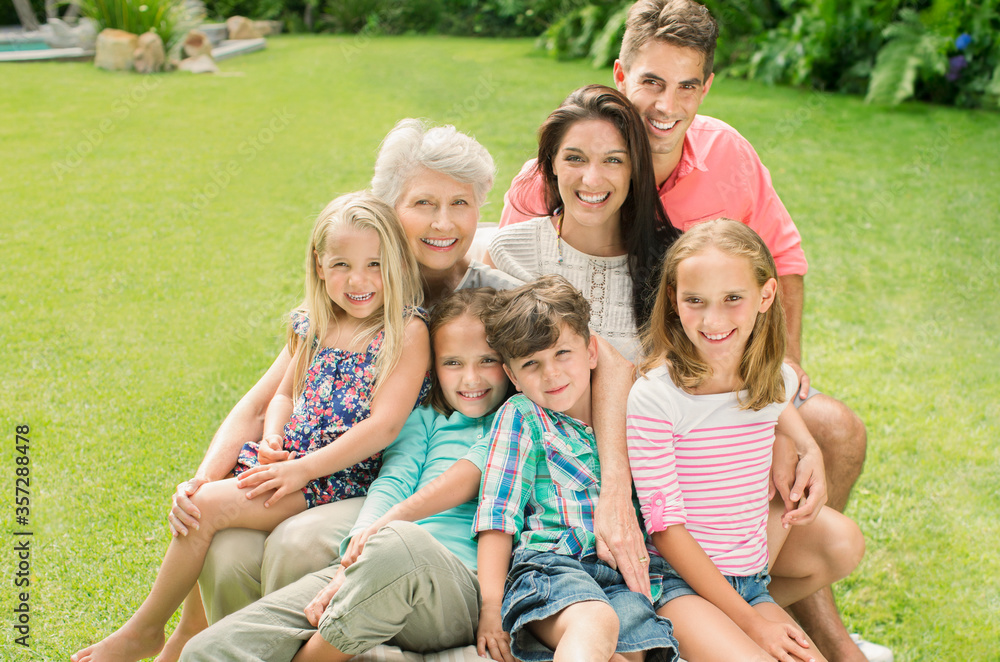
242,564
406,589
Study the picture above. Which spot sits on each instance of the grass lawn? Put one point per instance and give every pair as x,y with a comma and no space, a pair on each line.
152,239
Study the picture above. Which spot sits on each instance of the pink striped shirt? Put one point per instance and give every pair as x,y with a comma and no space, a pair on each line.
701,461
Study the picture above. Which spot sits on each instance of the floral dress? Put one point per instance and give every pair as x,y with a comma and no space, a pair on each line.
336,396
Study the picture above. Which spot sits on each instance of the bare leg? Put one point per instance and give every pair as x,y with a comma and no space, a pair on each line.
223,505
842,437
705,634
815,556
193,620
583,631
317,649
818,615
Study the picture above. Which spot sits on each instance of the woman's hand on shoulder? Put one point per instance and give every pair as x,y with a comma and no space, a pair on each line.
284,478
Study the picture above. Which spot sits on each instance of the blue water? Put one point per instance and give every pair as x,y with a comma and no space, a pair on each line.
25,46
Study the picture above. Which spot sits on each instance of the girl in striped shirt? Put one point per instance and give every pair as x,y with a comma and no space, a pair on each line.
701,430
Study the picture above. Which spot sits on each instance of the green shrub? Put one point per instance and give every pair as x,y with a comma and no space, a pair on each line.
891,49
264,10
170,19
608,44
910,50
574,34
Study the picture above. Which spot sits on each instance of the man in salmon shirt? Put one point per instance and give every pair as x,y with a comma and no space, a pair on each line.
705,170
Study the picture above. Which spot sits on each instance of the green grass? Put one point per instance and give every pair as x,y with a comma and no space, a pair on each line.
140,298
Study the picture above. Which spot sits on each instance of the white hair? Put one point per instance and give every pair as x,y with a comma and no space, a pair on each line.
411,146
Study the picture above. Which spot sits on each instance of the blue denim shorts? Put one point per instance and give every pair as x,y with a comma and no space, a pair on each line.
753,589
541,584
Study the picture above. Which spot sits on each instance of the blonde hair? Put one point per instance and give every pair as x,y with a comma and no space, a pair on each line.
472,302
401,288
664,340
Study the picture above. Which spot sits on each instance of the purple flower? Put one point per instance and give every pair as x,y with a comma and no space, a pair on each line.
962,41
955,66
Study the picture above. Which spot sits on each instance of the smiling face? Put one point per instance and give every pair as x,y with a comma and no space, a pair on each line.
593,173
666,84
351,270
469,372
558,377
439,215
718,300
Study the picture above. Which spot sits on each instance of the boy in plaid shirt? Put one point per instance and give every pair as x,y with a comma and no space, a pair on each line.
539,491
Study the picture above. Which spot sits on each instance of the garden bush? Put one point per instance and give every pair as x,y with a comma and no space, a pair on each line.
943,51
264,10
171,19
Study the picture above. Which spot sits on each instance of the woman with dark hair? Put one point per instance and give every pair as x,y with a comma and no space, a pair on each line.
603,226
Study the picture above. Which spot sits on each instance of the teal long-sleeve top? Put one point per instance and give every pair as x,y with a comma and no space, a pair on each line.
428,445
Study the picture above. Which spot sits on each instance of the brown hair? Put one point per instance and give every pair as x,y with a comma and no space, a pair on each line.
683,23
645,230
664,340
473,302
526,319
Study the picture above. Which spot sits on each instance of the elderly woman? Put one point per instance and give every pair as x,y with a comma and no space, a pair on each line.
436,179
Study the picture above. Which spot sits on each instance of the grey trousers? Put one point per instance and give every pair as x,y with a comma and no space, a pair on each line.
407,589
243,564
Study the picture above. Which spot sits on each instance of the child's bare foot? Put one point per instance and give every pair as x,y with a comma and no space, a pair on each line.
128,644
175,644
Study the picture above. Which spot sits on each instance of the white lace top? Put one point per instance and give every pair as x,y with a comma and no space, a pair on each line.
531,249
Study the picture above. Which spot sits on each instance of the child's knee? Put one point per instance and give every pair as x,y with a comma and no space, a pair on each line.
595,616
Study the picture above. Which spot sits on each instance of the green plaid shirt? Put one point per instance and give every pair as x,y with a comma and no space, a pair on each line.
541,480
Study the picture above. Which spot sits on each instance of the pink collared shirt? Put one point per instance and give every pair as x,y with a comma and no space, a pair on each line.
719,174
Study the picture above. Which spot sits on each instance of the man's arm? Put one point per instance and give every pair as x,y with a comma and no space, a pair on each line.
619,538
792,299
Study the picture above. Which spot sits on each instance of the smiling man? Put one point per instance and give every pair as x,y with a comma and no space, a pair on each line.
704,169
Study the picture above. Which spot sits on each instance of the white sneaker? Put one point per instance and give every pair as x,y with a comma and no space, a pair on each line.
874,652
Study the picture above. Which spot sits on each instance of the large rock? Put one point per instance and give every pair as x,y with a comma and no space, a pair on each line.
115,49
268,28
241,28
149,55
202,64
197,43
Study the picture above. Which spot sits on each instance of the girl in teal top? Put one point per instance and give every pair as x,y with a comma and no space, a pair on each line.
469,386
